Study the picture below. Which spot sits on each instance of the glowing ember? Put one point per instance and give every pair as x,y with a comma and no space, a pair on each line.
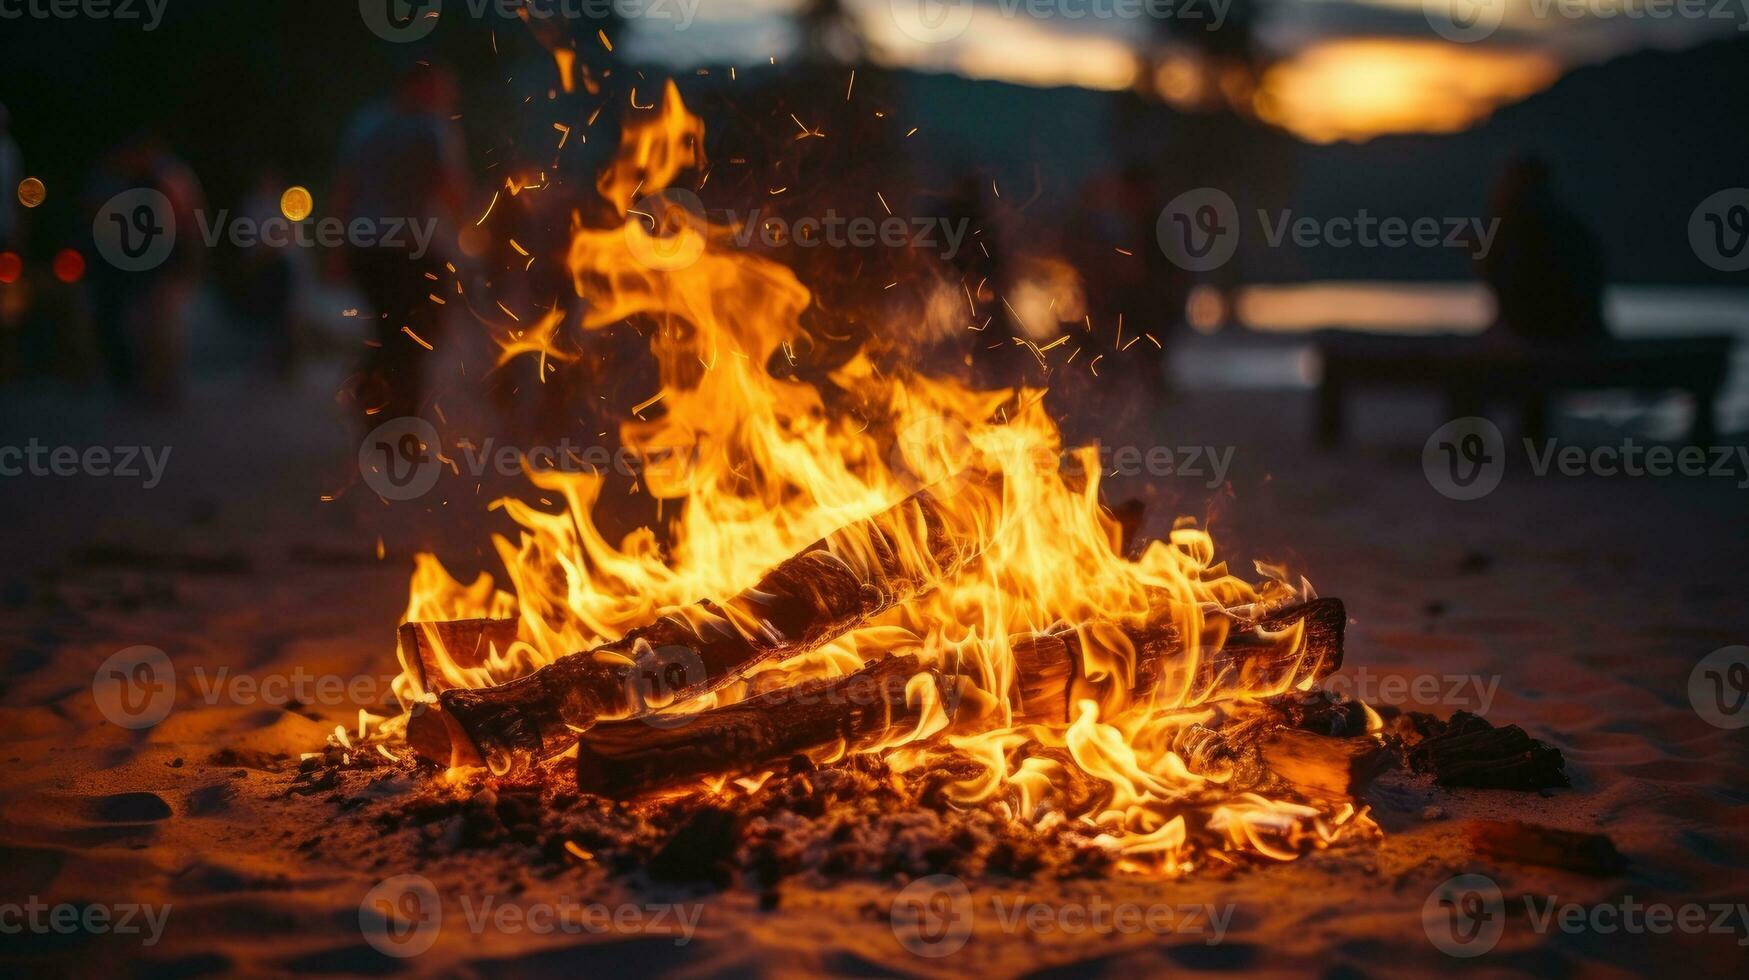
757,468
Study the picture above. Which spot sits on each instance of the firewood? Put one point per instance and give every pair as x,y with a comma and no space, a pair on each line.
427,647
624,758
833,586
1468,751
1528,843
1049,664
1338,768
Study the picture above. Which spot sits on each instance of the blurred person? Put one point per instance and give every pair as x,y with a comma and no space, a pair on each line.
11,172
1546,268
267,278
402,161
140,316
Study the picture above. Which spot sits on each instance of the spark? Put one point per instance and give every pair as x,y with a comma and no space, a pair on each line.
1123,251
882,198
604,41
489,206
1093,365
852,86
638,410
416,338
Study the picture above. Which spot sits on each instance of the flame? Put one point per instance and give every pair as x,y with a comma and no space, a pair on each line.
758,467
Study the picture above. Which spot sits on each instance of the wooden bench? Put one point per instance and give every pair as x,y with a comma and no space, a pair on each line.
1473,371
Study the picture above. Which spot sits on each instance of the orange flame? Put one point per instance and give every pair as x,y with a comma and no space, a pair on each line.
760,469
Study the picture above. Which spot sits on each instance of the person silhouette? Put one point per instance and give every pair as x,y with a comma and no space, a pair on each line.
1546,268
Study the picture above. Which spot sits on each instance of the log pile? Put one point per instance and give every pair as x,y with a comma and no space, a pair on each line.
833,586
617,701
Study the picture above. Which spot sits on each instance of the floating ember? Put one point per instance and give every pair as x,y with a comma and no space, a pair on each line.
914,581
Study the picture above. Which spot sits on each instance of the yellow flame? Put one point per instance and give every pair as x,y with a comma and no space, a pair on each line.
758,468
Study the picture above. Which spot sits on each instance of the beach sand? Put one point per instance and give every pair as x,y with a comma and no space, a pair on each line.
1575,607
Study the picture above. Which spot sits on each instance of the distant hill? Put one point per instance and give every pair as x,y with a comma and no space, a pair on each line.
1635,144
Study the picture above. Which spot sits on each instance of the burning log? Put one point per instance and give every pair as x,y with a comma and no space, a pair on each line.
625,758
831,587
427,647
1338,768
1049,664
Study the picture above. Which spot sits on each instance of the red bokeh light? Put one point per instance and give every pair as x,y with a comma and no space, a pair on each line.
69,265
11,267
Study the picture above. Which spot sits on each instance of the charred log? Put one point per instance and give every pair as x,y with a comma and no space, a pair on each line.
623,758
833,586
626,758
1254,658
1467,751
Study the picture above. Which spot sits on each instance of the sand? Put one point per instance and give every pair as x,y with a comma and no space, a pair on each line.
1575,607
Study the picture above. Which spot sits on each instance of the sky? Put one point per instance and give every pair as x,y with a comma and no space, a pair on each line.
1341,69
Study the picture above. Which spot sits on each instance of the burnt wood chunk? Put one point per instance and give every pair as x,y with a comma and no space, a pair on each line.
1325,766
1468,751
1547,847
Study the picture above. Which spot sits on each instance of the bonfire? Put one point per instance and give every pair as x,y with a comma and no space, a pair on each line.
922,598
